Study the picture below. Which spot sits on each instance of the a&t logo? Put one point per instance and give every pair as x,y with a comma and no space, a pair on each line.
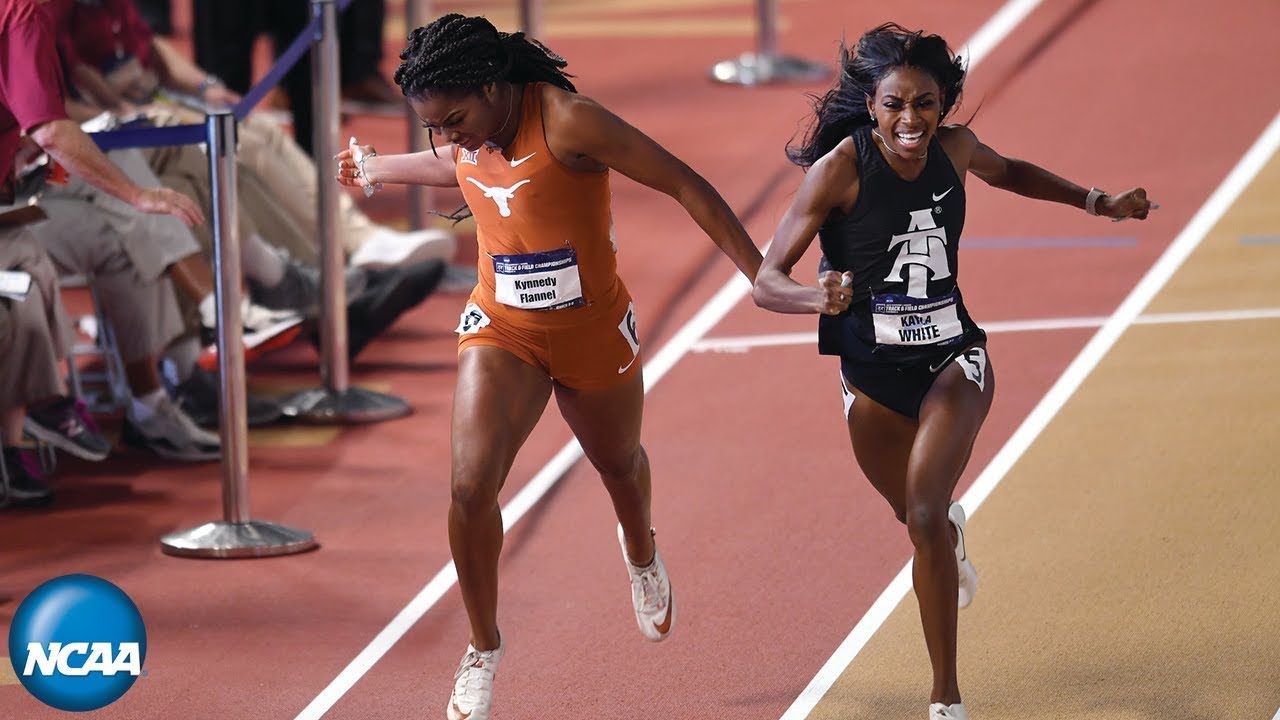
77,643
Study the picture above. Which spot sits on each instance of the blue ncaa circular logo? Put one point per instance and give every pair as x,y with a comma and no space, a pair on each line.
77,643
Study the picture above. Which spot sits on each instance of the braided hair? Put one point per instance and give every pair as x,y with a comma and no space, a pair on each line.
456,52
880,51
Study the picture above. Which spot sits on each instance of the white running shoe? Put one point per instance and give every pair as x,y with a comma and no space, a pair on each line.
472,695
968,575
388,247
171,433
938,711
651,595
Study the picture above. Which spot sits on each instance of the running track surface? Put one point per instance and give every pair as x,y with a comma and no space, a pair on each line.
1123,557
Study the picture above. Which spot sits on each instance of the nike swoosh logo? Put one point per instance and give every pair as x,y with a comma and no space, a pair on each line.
936,198
516,163
627,367
960,534
664,627
940,365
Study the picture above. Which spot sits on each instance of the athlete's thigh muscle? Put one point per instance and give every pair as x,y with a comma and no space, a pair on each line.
498,400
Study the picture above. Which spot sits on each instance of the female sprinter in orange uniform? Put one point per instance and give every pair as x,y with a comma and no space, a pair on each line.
550,314
885,195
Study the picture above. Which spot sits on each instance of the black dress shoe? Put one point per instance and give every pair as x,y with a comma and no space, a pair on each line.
388,295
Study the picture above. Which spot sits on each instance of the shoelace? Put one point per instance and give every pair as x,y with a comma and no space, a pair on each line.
650,587
82,411
71,426
477,666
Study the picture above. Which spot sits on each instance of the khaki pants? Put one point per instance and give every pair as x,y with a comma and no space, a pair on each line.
276,187
127,252
34,333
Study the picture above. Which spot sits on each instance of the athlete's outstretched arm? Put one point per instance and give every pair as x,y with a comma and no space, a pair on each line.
1033,181
437,169
832,182
588,129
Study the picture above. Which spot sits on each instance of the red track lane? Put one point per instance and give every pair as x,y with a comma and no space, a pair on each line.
775,543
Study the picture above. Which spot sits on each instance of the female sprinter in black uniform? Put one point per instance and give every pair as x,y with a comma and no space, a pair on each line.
885,194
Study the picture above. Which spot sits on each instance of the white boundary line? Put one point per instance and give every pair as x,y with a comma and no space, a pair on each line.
1124,316
986,38
743,343
1276,716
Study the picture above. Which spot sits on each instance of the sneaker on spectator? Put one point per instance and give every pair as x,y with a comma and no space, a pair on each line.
967,574
472,696
389,247
66,425
18,488
30,459
299,289
171,434
264,331
390,294
651,595
197,396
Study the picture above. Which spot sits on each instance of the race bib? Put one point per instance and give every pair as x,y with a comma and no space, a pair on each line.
538,281
905,320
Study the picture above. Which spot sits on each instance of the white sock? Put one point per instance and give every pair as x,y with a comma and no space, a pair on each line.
209,311
261,261
182,356
142,408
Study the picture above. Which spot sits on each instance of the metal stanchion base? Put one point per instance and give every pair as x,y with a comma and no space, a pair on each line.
353,405
756,69
256,538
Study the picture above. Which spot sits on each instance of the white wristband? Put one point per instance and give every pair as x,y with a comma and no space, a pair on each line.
1091,201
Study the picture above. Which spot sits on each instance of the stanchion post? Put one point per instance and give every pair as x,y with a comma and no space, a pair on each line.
237,535
416,14
333,305
336,401
765,65
531,18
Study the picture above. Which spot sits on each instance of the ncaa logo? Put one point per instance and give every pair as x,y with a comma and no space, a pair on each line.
77,643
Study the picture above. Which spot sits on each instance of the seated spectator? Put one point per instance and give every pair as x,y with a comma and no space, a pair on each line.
103,224
120,64
34,334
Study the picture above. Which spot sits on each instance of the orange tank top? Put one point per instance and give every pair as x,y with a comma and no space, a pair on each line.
541,226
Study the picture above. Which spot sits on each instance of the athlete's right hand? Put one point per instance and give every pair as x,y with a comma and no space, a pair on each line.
835,292
348,164
163,201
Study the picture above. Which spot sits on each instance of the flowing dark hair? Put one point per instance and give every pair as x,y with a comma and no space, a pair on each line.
456,52
879,52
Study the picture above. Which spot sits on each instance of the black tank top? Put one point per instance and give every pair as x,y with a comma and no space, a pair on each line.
900,242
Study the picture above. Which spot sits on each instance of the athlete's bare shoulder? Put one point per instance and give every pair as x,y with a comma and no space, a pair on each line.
836,173
959,142
957,137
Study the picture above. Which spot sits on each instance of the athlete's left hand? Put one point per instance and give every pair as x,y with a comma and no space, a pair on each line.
1128,204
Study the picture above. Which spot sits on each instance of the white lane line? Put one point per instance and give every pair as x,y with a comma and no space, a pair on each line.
1276,716
1124,316
987,37
743,343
